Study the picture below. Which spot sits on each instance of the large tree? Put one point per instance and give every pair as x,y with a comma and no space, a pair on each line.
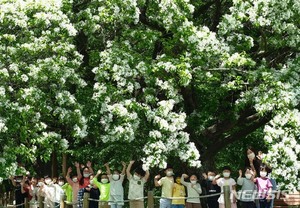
163,78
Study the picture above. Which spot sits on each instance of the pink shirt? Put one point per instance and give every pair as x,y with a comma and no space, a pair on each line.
263,186
75,187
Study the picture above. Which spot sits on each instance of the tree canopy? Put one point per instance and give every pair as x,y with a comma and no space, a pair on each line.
149,80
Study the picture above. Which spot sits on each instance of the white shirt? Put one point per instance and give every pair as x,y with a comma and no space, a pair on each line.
194,191
136,188
116,190
225,182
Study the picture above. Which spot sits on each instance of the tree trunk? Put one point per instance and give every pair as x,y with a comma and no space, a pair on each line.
54,164
64,164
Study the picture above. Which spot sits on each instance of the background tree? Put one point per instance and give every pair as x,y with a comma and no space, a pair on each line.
164,79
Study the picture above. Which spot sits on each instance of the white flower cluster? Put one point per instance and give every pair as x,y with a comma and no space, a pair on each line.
3,127
110,13
119,122
120,115
38,66
168,137
278,16
7,161
175,68
280,88
203,45
172,13
283,135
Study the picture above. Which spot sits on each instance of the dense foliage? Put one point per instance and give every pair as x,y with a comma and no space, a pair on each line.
150,80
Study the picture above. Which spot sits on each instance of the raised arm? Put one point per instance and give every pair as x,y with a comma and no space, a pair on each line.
124,168
156,178
146,177
183,176
215,179
79,175
107,169
240,179
95,179
69,180
98,173
129,168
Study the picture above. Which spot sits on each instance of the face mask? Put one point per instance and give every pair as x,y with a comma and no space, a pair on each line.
61,183
48,181
115,177
135,177
75,180
178,181
169,173
251,156
193,182
104,180
18,181
226,174
263,174
248,176
211,178
86,175
40,184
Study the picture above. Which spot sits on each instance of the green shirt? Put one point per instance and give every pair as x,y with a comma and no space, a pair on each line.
68,191
104,189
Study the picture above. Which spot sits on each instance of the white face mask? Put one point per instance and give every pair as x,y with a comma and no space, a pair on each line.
115,177
75,180
169,173
251,156
104,180
248,176
193,182
226,174
211,178
61,183
86,175
263,174
135,177
48,181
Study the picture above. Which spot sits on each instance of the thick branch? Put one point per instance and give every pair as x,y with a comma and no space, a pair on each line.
213,132
155,26
217,15
242,131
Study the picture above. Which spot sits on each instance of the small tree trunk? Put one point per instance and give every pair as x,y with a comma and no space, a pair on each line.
64,164
54,164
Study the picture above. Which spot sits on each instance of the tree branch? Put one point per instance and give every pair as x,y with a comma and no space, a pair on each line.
240,132
215,131
151,24
155,26
217,15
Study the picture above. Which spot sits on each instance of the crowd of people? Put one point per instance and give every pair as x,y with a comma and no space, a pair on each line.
177,191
